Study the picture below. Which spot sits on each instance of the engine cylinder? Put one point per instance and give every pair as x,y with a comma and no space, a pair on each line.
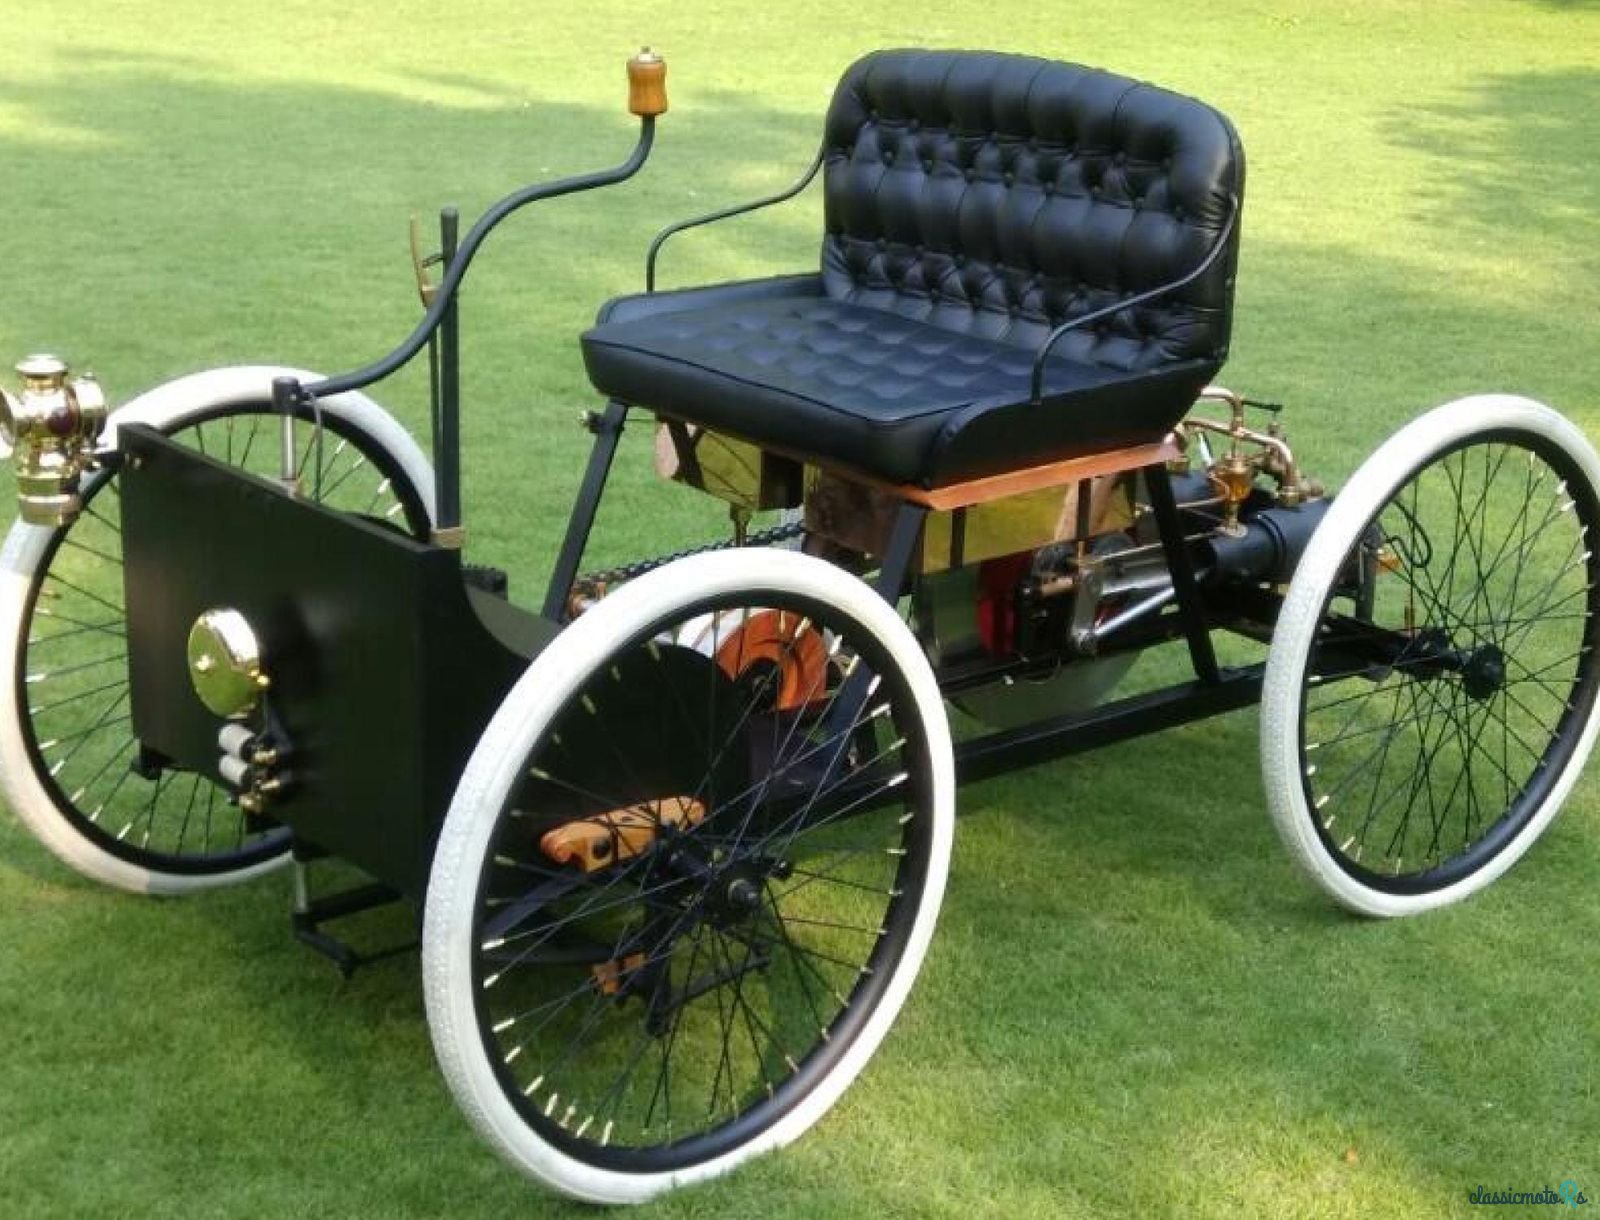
1270,546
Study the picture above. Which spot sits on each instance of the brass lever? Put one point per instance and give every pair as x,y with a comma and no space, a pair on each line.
426,288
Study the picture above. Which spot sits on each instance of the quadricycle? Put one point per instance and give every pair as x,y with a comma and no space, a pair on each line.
678,835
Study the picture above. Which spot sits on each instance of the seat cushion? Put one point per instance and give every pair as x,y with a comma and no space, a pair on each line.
1002,195
782,364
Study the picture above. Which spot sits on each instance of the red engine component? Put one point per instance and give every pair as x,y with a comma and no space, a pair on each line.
997,601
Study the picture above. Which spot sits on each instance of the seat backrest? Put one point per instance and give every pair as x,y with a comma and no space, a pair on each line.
1000,195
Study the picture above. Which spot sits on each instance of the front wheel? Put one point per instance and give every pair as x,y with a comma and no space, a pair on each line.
1430,694
689,874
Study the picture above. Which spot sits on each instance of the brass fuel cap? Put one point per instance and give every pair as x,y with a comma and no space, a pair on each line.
225,663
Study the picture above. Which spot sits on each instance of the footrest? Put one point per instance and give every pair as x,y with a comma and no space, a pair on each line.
310,915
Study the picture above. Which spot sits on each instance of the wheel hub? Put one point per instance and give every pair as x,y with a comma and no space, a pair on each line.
734,896
1484,672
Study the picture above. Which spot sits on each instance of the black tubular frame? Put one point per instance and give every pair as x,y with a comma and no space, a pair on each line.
447,401
439,329
457,270
1213,690
607,428
738,209
1191,605
1137,299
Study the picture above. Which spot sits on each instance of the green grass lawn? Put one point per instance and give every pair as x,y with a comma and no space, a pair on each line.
1134,1005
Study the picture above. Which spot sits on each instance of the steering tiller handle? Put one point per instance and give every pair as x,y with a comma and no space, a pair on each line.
647,84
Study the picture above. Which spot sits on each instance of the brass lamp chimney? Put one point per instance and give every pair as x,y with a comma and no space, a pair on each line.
51,428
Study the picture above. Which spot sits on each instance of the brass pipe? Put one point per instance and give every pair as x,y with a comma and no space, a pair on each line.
1288,473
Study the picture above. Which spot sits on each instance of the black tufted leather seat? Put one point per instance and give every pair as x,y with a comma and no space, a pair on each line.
973,202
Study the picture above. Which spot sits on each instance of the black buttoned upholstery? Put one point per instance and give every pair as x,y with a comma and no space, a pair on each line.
973,201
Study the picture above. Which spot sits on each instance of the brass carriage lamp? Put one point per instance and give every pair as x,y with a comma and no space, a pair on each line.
50,429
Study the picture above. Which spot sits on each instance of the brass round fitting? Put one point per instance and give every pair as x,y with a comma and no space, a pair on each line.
225,663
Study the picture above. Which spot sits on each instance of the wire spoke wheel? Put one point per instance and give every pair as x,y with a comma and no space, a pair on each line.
72,766
705,879
1443,661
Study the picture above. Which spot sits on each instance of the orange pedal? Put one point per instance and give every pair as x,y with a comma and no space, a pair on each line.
603,840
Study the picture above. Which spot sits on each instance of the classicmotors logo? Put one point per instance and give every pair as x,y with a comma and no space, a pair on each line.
1566,1194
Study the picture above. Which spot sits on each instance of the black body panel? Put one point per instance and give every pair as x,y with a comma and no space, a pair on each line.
385,667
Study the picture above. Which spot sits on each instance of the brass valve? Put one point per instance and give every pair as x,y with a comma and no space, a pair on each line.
50,429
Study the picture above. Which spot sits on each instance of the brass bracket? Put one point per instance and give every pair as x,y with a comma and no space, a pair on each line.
451,537
426,288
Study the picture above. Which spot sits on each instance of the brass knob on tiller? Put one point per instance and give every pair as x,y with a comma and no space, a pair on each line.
647,84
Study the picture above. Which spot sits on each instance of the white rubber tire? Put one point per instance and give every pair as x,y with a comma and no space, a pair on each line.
1378,478
166,408
447,947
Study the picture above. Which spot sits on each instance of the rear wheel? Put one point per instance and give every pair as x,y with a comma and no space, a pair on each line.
1430,695
689,874
66,744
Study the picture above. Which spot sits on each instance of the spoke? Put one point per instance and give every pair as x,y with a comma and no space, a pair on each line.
795,960
829,877
382,490
188,812
50,675
499,932
1383,763
1358,769
1550,729
54,577
1516,638
1546,599
1536,755
211,789
663,1087
41,709
1352,734
359,461
1521,533
103,722
843,927
818,954
57,636
100,772
1493,711
742,1006
1544,684
800,826
69,540
112,527
46,612
249,441
758,697
149,812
